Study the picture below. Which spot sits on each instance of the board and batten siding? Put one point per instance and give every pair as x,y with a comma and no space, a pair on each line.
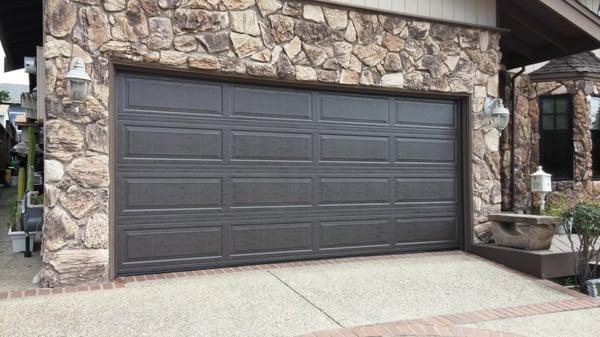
480,12
593,5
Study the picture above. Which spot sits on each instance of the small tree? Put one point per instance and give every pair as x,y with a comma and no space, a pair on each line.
585,216
4,96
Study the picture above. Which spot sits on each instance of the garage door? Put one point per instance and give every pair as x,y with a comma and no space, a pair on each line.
216,174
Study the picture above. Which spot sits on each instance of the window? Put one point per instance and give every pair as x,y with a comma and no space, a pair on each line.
595,115
556,143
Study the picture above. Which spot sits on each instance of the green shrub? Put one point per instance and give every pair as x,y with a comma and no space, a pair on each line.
38,199
586,227
558,206
12,217
4,96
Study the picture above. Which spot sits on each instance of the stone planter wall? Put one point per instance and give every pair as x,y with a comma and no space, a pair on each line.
527,137
271,39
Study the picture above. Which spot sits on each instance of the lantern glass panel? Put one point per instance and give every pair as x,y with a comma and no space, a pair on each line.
500,121
78,89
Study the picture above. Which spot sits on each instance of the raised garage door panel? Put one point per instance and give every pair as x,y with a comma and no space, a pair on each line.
215,173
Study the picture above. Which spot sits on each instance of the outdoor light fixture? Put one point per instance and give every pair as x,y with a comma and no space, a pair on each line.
78,81
541,184
495,109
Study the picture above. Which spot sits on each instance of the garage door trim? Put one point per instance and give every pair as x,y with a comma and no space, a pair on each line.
464,214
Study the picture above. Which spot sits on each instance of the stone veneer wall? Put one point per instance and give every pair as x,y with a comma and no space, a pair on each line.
527,137
272,39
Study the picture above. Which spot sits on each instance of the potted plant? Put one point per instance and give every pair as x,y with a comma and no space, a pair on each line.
15,229
585,217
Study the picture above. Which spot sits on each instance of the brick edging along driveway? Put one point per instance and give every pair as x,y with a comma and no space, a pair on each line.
121,282
447,325
411,330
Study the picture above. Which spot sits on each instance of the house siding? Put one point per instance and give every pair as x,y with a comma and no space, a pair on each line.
480,12
304,42
591,4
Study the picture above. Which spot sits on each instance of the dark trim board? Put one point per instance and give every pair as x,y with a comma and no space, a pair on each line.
464,161
541,264
112,75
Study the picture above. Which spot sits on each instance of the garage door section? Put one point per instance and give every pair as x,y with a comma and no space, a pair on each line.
215,174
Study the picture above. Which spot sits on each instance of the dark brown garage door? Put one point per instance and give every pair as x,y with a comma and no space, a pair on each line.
216,174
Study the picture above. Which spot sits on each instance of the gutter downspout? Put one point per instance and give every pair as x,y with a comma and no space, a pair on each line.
512,136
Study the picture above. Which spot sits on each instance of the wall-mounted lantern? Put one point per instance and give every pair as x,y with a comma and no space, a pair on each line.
78,80
494,108
541,184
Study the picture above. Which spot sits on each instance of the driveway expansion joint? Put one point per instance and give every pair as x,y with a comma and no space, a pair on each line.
306,299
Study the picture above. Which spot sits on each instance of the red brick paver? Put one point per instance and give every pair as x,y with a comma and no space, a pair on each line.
410,330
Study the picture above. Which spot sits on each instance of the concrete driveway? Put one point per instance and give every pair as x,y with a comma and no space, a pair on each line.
280,302
578,323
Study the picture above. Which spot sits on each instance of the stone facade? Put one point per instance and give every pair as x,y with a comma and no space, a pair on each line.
527,136
269,39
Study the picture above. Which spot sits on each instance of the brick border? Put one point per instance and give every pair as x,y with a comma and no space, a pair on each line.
121,282
62,290
446,325
411,330
292,264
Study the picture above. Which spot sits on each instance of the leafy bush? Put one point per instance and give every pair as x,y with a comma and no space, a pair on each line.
13,210
568,281
38,199
4,96
556,207
586,227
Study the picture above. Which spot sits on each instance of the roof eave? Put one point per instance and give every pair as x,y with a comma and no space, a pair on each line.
558,16
578,14
21,30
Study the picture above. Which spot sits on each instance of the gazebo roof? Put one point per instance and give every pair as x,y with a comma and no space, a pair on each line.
578,66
